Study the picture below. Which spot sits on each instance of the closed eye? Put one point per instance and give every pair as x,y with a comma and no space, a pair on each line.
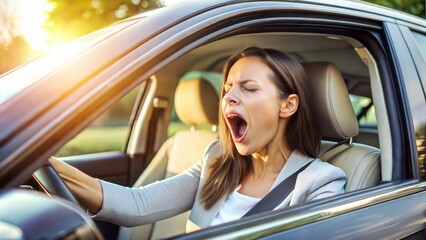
248,86
249,89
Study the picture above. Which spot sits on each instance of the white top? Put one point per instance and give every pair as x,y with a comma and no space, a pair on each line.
234,207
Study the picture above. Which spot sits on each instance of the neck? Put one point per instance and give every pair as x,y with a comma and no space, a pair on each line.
270,160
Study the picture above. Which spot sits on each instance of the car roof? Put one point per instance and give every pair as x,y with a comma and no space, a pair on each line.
373,10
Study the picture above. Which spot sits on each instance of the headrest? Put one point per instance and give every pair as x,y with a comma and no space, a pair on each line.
333,108
196,102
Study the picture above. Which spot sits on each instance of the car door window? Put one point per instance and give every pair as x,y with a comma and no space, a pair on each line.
108,132
365,112
421,42
364,109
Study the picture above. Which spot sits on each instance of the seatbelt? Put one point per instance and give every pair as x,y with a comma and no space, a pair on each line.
276,195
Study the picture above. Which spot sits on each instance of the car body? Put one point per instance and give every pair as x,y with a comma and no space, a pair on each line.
380,52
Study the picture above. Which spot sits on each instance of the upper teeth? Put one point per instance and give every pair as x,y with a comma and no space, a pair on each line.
232,115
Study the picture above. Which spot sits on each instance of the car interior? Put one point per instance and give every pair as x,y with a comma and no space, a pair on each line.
338,67
341,70
182,150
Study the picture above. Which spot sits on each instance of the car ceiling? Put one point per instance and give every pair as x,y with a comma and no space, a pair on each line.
303,47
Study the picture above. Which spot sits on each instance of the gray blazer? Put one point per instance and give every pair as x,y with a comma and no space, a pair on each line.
136,206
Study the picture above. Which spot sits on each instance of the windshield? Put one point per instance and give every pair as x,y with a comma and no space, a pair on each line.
20,78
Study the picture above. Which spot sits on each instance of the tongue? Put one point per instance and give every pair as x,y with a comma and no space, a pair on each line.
241,129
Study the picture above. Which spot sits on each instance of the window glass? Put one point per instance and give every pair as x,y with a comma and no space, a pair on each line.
421,42
364,110
109,132
420,131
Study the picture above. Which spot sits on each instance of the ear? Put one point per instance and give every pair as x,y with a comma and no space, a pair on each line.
289,106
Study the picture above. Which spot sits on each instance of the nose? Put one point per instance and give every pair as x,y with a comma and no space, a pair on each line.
231,97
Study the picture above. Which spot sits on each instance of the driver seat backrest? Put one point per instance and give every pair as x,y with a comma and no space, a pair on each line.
338,123
196,103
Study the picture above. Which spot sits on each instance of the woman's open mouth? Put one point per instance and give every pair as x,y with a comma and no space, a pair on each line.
238,127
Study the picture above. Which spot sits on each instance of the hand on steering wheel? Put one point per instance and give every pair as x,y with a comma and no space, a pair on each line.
52,184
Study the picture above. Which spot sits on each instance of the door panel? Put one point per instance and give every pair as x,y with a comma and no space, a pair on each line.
109,166
390,211
389,220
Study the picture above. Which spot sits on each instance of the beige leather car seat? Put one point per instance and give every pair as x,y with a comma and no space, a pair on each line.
196,103
338,122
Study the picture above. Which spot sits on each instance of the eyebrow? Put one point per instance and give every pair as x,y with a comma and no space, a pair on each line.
246,81
241,82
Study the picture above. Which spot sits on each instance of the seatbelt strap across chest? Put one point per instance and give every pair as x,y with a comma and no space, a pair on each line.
276,195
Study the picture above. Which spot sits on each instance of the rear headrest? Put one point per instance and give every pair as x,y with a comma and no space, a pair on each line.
333,108
196,102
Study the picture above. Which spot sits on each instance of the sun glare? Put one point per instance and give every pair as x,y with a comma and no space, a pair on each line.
30,18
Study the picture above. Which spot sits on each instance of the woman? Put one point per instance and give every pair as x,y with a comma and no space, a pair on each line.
267,132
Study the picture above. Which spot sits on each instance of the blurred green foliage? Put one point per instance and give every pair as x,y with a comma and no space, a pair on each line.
105,139
95,140
71,19
109,132
67,20
414,7
358,103
119,113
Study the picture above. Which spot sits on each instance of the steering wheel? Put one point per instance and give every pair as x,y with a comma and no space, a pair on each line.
52,184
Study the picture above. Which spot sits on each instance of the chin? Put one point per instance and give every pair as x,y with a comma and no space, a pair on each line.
243,150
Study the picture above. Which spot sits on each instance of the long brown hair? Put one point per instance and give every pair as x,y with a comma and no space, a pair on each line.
301,133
